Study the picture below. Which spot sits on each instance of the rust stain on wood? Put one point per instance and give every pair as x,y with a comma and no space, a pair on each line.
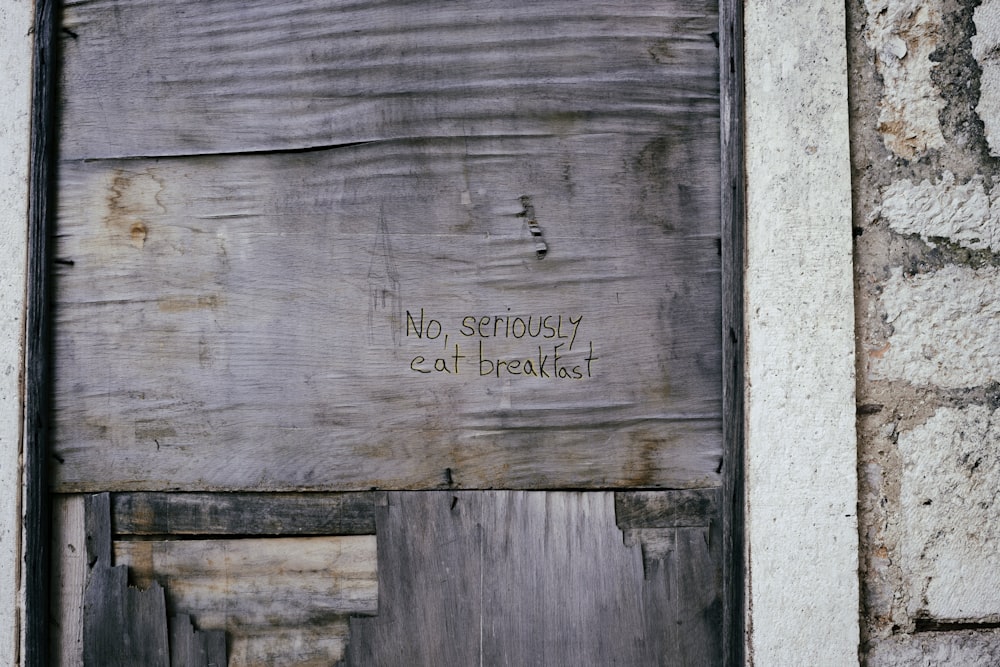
132,198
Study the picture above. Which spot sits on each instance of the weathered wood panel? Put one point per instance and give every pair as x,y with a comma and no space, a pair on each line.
731,80
122,626
34,507
279,600
227,329
376,315
188,77
194,648
242,582
69,580
243,514
521,578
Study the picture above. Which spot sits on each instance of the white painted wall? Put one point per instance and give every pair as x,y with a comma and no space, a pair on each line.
16,18
801,458
801,496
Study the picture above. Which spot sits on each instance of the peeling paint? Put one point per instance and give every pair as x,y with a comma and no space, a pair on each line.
904,34
963,213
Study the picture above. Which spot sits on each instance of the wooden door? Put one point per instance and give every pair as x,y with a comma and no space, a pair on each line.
390,333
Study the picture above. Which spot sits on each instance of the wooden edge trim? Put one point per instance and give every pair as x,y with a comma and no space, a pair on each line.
36,509
731,81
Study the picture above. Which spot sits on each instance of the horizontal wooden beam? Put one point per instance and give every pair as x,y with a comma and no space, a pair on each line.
296,514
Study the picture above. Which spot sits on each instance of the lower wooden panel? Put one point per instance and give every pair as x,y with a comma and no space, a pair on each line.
451,579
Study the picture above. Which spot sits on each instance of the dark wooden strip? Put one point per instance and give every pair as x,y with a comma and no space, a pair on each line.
37,339
215,648
731,68
683,602
195,648
144,638
97,524
186,647
122,626
666,509
243,514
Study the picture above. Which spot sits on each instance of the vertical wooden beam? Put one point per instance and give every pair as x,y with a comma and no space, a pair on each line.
733,262
122,626
36,512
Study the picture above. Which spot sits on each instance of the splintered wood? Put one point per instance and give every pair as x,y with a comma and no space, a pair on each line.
304,246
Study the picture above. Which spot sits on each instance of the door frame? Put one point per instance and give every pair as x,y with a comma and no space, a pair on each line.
796,92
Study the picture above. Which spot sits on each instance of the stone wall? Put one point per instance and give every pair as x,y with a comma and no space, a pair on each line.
925,113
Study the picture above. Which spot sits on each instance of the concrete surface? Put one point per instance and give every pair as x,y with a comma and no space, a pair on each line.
800,471
15,107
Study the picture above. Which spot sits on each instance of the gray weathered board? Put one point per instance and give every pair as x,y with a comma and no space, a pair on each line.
298,246
462,578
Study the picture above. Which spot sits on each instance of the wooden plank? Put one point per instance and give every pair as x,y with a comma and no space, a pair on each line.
562,588
279,600
430,583
194,648
666,509
231,76
534,578
682,600
243,514
34,534
245,317
733,190
122,626
318,645
272,303
69,579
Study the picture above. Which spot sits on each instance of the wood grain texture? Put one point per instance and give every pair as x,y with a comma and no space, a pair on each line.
34,534
243,514
430,582
241,322
731,69
194,648
231,76
522,578
69,580
280,601
666,509
122,626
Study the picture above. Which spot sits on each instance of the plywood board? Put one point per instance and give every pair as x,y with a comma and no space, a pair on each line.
523,578
415,247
